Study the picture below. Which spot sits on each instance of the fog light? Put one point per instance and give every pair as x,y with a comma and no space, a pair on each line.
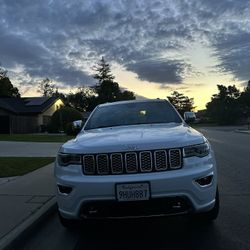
64,189
204,181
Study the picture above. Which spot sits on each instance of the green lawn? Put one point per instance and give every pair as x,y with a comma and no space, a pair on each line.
35,138
15,166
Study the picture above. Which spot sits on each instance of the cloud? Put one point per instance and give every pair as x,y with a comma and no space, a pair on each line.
226,26
234,55
63,39
38,61
158,71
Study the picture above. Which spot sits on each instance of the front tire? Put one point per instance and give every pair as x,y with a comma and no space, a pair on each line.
67,223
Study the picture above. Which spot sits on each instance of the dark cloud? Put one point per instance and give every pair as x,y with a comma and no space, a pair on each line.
234,54
226,26
63,39
17,49
158,71
38,61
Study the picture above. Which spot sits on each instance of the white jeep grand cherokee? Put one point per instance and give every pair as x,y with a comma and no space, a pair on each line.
136,159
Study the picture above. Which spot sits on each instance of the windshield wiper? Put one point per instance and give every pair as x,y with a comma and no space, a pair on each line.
108,126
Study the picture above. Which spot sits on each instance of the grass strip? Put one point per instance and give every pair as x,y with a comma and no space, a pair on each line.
16,166
35,138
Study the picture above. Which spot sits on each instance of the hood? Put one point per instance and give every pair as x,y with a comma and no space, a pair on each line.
131,138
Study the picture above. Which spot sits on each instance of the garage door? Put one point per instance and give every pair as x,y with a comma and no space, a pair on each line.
4,124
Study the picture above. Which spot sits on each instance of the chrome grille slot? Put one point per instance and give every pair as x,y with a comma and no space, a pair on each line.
161,161
89,164
146,161
131,162
102,164
175,158
116,163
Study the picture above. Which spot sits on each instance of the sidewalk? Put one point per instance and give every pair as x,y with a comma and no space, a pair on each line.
23,200
245,131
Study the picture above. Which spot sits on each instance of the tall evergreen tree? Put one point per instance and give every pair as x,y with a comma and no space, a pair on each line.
103,71
107,89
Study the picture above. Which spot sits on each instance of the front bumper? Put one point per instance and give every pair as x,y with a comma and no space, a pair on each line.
166,186
135,209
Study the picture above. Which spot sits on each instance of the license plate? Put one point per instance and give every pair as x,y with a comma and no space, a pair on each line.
133,191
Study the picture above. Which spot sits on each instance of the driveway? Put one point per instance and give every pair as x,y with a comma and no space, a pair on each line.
29,149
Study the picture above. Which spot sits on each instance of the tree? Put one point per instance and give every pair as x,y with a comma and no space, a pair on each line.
127,95
6,87
224,106
244,101
81,99
107,90
46,88
103,71
60,95
181,103
62,117
3,73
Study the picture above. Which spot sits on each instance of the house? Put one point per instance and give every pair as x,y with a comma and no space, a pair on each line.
26,115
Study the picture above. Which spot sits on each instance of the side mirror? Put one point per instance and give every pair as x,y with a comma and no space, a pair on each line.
189,117
77,126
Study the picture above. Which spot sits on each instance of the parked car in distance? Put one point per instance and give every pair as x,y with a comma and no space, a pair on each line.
136,159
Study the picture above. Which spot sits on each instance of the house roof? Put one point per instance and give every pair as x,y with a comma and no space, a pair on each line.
27,105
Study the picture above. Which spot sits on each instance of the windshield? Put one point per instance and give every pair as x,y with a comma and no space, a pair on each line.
132,114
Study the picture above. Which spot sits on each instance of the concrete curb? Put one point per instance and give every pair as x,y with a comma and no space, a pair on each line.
242,131
10,241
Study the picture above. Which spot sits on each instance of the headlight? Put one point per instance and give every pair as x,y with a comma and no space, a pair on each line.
67,159
199,150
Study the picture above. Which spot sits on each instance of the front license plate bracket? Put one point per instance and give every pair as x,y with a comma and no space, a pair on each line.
139,191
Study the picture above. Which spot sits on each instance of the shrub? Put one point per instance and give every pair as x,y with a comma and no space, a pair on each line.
71,130
61,118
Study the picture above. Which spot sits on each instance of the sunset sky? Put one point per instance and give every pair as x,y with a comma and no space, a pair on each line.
154,47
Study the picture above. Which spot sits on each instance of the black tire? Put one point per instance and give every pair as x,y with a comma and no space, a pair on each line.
67,223
212,214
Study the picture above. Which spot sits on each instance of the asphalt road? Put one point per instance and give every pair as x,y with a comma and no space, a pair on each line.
230,231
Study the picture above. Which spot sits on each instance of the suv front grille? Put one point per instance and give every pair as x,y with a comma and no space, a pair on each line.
146,161
116,163
102,164
132,162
